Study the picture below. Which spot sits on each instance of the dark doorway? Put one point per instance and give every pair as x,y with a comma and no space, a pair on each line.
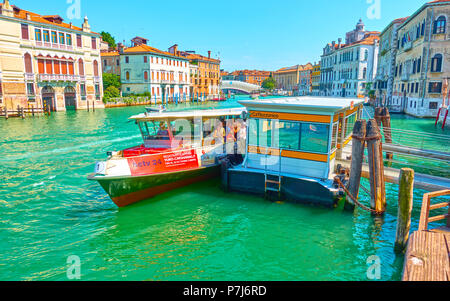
70,98
48,99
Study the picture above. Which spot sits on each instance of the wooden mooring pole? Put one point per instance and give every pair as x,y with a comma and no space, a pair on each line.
376,167
405,205
383,119
358,145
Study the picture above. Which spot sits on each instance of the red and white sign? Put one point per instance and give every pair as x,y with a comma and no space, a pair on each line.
165,162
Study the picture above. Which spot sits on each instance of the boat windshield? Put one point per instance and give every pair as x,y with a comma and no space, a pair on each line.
154,130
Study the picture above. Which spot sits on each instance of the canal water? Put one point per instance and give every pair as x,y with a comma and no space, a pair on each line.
49,211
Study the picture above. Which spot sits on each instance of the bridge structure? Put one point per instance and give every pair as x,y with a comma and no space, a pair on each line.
240,86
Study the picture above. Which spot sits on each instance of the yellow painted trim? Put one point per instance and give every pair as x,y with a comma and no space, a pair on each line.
350,112
288,154
332,156
348,140
291,116
336,118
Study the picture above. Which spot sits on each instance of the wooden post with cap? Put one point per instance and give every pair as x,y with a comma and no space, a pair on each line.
376,167
358,146
405,205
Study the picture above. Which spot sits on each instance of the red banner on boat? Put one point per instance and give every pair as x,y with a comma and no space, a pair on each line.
166,162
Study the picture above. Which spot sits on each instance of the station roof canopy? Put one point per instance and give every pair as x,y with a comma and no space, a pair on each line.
306,104
211,113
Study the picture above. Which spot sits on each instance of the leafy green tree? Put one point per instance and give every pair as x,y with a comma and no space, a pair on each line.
269,83
110,92
111,80
108,38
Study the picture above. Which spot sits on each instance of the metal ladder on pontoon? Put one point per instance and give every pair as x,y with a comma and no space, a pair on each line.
273,182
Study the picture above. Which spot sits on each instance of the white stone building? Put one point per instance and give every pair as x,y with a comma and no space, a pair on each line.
347,68
146,70
386,63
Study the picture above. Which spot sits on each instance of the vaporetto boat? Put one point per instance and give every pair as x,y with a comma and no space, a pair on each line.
179,148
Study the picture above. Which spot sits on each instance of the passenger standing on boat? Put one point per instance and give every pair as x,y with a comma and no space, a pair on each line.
163,133
241,137
219,133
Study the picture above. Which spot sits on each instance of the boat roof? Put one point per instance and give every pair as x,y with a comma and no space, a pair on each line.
164,115
303,104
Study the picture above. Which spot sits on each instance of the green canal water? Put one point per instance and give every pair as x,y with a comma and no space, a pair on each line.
49,211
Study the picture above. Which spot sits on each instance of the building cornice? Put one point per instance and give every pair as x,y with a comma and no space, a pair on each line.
50,26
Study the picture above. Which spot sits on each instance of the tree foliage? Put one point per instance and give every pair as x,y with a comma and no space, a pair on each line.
108,38
269,83
111,80
110,92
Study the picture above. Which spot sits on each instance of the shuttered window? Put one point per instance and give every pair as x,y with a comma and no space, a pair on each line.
28,63
95,68
79,41
48,67
56,67
63,67
80,67
41,66
25,34
71,71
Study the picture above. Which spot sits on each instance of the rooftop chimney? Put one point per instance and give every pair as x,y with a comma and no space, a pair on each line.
174,49
209,54
86,26
120,47
7,9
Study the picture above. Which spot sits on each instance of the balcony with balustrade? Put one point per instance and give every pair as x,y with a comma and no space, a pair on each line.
59,77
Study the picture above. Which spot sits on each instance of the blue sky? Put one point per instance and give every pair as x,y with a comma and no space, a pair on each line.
248,34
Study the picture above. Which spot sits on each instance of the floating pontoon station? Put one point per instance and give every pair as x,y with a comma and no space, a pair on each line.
292,145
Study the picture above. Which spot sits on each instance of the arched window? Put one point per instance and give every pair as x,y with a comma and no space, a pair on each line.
95,68
127,75
28,63
80,67
440,25
436,63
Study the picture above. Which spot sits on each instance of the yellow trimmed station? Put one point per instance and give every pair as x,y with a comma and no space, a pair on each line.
292,146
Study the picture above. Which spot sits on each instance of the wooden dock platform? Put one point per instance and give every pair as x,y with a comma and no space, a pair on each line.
427,257
428,254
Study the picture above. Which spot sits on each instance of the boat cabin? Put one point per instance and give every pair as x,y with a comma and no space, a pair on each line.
299,136
183,129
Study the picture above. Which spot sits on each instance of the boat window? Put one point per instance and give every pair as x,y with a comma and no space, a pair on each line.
154,130
289,135
182,128
314,138
334,136
211,131
349,124
260,132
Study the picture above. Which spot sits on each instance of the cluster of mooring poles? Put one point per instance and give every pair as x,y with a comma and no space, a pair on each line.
21,112
93,106
367,135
